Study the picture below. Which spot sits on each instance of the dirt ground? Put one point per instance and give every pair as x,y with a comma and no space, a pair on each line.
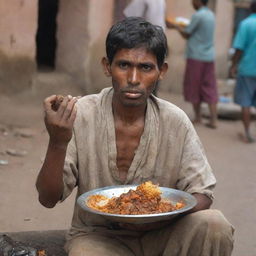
23,142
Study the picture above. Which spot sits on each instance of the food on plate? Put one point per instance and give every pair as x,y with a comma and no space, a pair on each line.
57,102
146,199
181,21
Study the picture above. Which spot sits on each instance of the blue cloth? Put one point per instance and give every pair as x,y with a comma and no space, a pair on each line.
245,40
245,91
200,45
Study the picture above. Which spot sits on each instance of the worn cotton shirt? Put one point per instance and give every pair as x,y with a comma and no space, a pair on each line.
169,154
200,45
245,40
151,10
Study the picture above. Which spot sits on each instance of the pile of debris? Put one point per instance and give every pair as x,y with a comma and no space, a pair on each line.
9,247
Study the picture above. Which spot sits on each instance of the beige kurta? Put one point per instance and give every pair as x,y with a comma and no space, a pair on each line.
170,154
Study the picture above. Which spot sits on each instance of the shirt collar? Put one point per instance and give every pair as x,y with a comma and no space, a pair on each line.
202,8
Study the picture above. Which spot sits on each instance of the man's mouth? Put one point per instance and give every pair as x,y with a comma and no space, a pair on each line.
132,94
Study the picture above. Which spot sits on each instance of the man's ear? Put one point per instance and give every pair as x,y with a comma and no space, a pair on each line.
163,70
106,66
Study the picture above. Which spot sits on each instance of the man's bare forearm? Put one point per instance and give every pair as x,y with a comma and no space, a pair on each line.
50,179
203,202
235,60
180,29
59,124
237,56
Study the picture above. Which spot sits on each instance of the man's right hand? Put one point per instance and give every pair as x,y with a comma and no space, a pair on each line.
59,123
232,72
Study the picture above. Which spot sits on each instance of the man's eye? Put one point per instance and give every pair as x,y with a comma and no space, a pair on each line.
146,67
123,65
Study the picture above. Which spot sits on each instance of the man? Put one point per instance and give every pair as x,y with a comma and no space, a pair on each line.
200,82
245,56
152,11
125,135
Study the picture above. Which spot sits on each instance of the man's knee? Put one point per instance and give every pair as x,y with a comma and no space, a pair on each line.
204,232
213,223
213,218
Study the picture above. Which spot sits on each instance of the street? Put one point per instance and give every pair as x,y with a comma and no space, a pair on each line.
23,142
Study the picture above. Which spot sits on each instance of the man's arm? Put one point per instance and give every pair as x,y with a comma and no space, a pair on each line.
59,125
203,202
235,60
180,29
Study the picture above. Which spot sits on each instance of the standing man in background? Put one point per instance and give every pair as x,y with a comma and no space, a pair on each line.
200,81
244,65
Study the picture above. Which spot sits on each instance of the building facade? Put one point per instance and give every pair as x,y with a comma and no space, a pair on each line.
69,36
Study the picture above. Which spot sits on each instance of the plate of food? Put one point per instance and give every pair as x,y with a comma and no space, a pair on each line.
181,21
136,204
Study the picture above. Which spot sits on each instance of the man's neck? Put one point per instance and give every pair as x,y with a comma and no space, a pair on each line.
128,115
201,6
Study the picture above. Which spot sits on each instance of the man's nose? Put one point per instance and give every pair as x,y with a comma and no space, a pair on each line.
134,77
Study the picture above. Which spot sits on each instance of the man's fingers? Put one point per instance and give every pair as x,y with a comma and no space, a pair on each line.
73,115
63,106
65,114
69,109
48,102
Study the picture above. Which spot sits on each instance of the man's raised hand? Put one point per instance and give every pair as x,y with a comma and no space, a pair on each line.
59,120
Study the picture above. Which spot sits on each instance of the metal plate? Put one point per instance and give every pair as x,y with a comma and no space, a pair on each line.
173,195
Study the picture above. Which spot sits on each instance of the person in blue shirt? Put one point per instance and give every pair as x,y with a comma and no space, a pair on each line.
200,81
244,69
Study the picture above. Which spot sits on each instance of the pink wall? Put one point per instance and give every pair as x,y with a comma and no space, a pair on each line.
18,24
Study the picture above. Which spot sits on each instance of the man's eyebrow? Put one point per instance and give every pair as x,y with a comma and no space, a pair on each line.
123,61
148,63
151,64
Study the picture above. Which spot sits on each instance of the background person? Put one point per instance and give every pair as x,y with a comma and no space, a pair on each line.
125,135
244,66
200,81
151,10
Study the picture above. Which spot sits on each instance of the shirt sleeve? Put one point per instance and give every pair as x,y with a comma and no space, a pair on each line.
70,172
135,8
195,20
196,175
240,38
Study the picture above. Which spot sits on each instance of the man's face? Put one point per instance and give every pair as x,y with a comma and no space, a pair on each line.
135,74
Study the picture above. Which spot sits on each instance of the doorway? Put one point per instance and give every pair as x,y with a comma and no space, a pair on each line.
46,42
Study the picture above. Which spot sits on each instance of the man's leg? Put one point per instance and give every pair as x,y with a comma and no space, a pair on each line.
213,116
246,118
191,86
209,92
203,233
96,245
245,96
197,112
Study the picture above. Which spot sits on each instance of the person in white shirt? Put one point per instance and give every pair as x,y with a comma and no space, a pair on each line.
151,10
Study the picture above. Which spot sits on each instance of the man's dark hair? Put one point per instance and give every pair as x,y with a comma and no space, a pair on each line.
204,2
135,32
253,7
